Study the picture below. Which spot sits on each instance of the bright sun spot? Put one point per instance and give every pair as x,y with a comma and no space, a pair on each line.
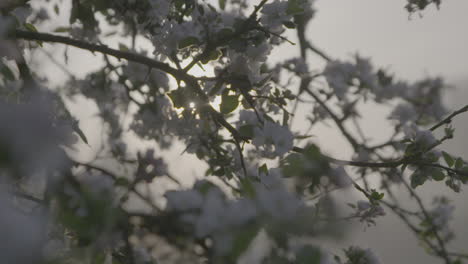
192,105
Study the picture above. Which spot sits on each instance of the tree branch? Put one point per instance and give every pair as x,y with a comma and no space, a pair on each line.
190,80
448,119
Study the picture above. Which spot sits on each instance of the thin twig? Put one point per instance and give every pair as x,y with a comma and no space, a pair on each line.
448,119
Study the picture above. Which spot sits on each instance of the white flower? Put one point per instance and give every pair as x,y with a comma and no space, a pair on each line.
141,255
85,34
31,137
23,232
274,15
363,205
340,177
358,255
98,184
404,113
184,200
8,48
22,13
259,53
365,72
275,200
371,257
212,214
160,9
423,137
239,212
442,214
276,136
241,64
338,76
298,65
166,41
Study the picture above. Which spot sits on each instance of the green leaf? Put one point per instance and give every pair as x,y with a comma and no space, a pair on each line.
187,42
242,240
310,163
229,103
449,131
263,169
56,9
100,258
177,97
224,33
452,185
7,72
289,24
376,195
448,159
213,55
458,163
205,186
403,167
285,118
437,174
219,172
30,27
247,131
247,187
123,47
84,13
222,4
417,179
308,255
78,130
62,29
301,137
294,7
122,182
464,174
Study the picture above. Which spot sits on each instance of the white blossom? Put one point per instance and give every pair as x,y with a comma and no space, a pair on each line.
168,37
141,255
404,113
423,137
184,200
275,200
363,205
79,32
274,15
23,232
8,48
357,255
338,76
340,177
274,138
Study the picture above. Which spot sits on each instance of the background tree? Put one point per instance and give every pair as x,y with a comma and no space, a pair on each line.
199,74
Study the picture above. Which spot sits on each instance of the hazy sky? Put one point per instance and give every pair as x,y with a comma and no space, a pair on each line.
433,44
